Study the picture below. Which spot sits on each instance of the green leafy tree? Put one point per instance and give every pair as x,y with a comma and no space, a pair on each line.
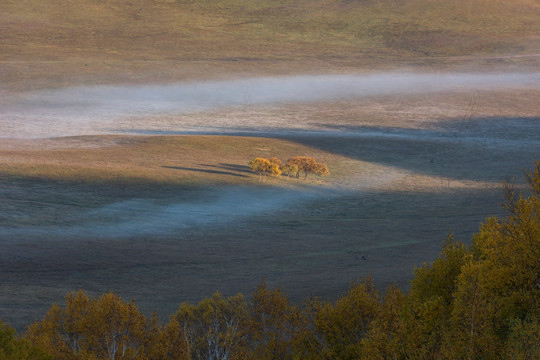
311,343
430,302
13,348
499,286
384,340
471,334
340,328
523,339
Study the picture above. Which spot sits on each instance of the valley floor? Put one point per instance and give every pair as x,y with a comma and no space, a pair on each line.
132,193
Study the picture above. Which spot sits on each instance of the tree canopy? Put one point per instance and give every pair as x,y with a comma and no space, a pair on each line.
14,348
293,167
264,167
104,327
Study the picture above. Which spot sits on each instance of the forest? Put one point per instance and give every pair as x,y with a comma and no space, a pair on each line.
477,301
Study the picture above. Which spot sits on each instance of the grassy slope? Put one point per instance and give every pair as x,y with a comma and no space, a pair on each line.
55,39
175,160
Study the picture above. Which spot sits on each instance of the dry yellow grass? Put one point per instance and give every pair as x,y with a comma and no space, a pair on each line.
180,160
59,42
205,161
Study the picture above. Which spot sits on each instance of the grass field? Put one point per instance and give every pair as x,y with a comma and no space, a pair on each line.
108,181
58,43
164,219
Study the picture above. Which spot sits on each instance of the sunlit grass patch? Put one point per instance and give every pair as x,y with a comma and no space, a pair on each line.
165,159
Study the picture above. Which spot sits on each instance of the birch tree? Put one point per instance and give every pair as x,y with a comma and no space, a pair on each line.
274,325
106,327
214,327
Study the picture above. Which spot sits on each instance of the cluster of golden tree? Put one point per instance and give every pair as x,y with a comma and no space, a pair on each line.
477,302
293,167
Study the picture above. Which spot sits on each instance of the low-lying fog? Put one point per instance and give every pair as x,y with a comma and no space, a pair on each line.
104,109
153,217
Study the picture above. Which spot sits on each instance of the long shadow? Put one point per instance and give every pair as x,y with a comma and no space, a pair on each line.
231,167
481,148
490,148
219,172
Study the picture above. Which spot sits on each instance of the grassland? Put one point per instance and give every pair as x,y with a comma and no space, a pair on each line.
169,218
59,43
169,160
165,219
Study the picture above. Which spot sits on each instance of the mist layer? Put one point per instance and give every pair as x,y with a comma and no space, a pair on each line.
99,109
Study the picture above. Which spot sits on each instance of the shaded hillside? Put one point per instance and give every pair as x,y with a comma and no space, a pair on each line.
477,302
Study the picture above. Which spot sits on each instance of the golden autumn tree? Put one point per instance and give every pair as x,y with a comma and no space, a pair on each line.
498,292
290,169
62,332
214,328
430,302
264,167
117,327
293,167
273,326
321,170
167,342
385,338
340,327
104,327
307,165
275,161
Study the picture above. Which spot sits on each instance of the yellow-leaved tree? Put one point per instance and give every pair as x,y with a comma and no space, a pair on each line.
104,327
215,327
307,165
293,167
497,299
336,331
265,167
481,302
273,326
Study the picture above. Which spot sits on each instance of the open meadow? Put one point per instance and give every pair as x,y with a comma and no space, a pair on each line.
126,131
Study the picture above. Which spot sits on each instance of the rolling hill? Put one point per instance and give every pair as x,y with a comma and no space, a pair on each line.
81,41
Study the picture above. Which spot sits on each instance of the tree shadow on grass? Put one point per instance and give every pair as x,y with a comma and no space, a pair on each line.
219,172
231,167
